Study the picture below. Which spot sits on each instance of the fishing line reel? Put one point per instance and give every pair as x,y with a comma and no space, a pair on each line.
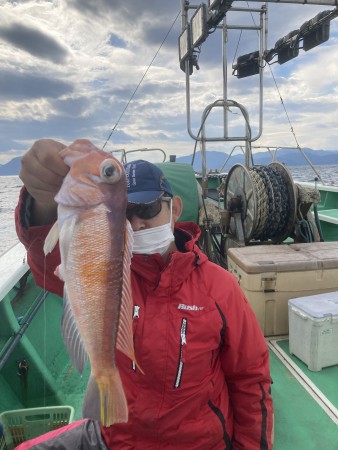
264,205
261,202
261,205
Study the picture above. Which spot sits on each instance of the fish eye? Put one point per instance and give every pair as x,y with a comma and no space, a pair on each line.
110,171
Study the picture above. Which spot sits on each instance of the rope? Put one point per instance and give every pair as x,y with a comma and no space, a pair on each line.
284,107
273,202
270,202
262,201
285,200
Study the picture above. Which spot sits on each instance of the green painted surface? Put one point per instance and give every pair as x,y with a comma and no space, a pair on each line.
214,180
329,230
183,183
328,198
300,423
328,206
50,379
326,379
330,213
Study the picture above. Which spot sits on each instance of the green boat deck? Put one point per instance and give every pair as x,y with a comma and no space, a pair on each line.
51,380
305,402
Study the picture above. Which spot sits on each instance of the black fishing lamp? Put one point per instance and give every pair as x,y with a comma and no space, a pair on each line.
287,47
198,27
247,65
219,4
194,34
185,50
214,4
217,10
316,31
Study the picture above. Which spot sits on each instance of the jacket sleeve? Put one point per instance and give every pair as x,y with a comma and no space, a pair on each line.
245,363
42,267
83,434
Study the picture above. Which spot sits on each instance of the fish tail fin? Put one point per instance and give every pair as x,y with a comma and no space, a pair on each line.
114,408
105,399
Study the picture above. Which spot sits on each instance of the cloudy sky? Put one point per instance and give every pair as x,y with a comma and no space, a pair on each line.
70,69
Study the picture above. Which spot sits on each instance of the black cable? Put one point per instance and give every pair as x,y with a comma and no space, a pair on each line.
317,221
140,82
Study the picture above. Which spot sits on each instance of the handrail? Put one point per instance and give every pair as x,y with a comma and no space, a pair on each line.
13,341
146,150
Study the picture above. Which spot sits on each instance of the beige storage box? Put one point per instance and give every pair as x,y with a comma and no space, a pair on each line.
313,329
270,275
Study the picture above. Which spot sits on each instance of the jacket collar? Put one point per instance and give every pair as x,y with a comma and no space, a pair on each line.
169,275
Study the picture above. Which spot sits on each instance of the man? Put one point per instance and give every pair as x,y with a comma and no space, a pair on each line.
206,378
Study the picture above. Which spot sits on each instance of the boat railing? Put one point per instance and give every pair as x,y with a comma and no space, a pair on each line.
13,266
124,153
17,326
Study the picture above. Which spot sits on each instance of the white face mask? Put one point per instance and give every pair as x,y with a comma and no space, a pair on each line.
153,240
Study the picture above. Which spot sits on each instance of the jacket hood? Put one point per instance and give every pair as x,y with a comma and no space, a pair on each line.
169,275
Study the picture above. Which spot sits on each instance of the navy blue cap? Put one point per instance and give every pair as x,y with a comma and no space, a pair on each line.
146,182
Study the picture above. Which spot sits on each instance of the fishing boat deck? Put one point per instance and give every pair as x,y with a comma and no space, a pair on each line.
50,379
305,402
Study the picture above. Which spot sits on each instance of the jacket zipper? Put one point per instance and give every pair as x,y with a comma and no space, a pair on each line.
183,342
136,315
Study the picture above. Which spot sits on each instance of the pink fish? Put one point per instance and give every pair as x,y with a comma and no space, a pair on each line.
96,246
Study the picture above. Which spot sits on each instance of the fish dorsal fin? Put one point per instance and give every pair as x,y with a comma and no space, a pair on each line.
124,341
77,150
51,239
71,336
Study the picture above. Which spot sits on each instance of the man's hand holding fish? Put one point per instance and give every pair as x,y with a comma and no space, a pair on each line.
42,172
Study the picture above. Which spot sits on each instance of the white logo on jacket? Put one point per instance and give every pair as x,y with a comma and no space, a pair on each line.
190,307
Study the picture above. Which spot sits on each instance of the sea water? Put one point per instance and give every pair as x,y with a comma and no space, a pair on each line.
10,187
9,192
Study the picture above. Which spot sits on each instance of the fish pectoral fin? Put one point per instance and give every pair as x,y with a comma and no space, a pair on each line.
51,239
105,399
125,341
71,336
59,272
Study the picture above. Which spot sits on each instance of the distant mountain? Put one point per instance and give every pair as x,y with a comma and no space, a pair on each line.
289,157
215,160
11,168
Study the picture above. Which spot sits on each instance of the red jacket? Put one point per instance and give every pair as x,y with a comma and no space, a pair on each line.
206,375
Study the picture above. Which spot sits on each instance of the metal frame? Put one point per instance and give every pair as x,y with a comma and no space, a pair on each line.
225,102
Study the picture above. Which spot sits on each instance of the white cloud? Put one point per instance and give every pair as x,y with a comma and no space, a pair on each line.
80,65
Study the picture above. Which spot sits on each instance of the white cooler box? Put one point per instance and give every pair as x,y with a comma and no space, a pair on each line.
313,325
270,275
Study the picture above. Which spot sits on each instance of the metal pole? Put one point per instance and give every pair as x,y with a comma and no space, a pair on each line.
16,338
262,47
225,76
